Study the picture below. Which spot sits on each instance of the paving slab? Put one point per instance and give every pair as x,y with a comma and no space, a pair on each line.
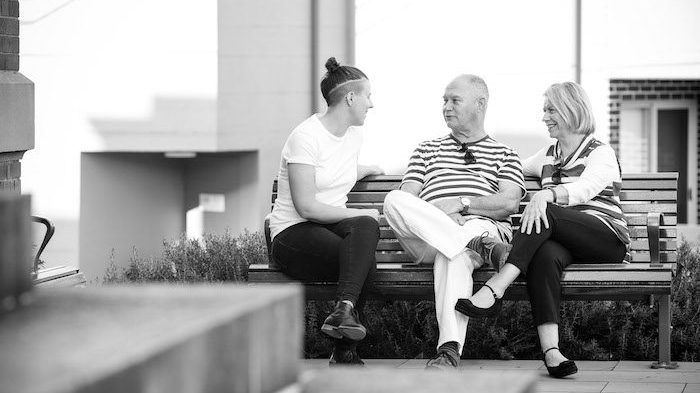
648,387
660,376
546,384
596,365
392,380
469,364
629,365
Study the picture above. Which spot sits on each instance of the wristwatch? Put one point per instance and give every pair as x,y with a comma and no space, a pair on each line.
465,205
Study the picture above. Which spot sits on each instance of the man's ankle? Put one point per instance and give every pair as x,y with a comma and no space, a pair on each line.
451,346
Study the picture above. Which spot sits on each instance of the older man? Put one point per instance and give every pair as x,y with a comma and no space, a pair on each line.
457,194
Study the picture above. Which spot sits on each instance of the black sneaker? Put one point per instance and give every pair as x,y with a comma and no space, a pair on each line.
494,251
344,322
345,357
446,358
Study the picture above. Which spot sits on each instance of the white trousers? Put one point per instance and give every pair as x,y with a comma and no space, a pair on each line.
430,235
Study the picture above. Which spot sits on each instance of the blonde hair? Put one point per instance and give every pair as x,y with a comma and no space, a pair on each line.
572,103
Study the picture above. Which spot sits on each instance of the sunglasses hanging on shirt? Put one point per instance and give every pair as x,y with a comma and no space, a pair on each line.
468,155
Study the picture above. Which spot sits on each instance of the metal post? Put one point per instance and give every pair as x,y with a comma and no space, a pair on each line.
577,38
315,76
665,334
350,31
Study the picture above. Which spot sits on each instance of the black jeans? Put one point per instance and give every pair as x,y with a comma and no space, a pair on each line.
343,251
541,258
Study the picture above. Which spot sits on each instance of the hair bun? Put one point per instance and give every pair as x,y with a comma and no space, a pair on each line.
332,64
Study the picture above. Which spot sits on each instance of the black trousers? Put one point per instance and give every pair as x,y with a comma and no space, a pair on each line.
541,258
343,251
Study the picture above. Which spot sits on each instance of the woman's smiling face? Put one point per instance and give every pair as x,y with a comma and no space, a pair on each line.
553,120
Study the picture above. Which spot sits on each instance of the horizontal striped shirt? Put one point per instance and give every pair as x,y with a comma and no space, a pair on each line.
442,169
593,191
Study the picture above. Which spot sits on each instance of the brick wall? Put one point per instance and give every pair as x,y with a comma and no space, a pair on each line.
10,167
640,90
9,35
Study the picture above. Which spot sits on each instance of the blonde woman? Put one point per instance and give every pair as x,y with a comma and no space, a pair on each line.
575,217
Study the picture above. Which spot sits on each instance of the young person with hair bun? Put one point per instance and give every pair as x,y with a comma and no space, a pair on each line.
314,235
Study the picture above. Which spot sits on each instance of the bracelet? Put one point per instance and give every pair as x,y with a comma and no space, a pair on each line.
554,194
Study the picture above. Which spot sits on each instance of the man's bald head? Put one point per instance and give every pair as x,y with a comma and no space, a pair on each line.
465,101
474,83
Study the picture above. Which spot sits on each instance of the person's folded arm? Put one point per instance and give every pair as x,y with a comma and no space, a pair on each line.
600,171
498,206
302,184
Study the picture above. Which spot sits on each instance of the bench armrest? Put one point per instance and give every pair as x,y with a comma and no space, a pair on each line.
50,229
654,221
268,240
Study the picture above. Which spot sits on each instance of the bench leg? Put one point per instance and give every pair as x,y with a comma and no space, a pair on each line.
665,334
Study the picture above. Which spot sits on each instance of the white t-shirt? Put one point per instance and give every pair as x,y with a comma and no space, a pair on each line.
335,160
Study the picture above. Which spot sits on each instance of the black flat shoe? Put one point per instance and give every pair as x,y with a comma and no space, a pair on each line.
564,369
466,307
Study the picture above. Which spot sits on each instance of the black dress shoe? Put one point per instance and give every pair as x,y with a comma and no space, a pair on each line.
344,322
446,358
466,307
564,369
345,357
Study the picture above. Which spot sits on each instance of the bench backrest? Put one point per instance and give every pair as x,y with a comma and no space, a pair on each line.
642,193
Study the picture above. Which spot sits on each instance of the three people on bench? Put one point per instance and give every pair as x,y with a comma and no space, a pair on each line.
452,210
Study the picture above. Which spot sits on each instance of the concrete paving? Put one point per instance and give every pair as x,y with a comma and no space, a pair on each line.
593,376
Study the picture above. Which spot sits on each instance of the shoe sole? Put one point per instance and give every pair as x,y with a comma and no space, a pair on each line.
331,331
351,333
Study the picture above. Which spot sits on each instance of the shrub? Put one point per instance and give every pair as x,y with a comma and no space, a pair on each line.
592,330
216,258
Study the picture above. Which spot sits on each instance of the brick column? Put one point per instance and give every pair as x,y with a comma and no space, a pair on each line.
16,101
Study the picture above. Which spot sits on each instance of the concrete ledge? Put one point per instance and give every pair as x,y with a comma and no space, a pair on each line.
153,338
16,112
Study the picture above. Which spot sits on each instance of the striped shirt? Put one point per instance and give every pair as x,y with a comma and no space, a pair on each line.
441,167
592,178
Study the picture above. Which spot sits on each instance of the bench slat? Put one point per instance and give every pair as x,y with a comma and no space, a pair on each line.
638,219
629,196
635,232
627,207
636,257
637,244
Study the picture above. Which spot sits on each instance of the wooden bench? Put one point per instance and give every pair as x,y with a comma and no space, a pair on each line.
648,200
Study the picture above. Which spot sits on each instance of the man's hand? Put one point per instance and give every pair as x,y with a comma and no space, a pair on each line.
366,170
458,218
449,206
